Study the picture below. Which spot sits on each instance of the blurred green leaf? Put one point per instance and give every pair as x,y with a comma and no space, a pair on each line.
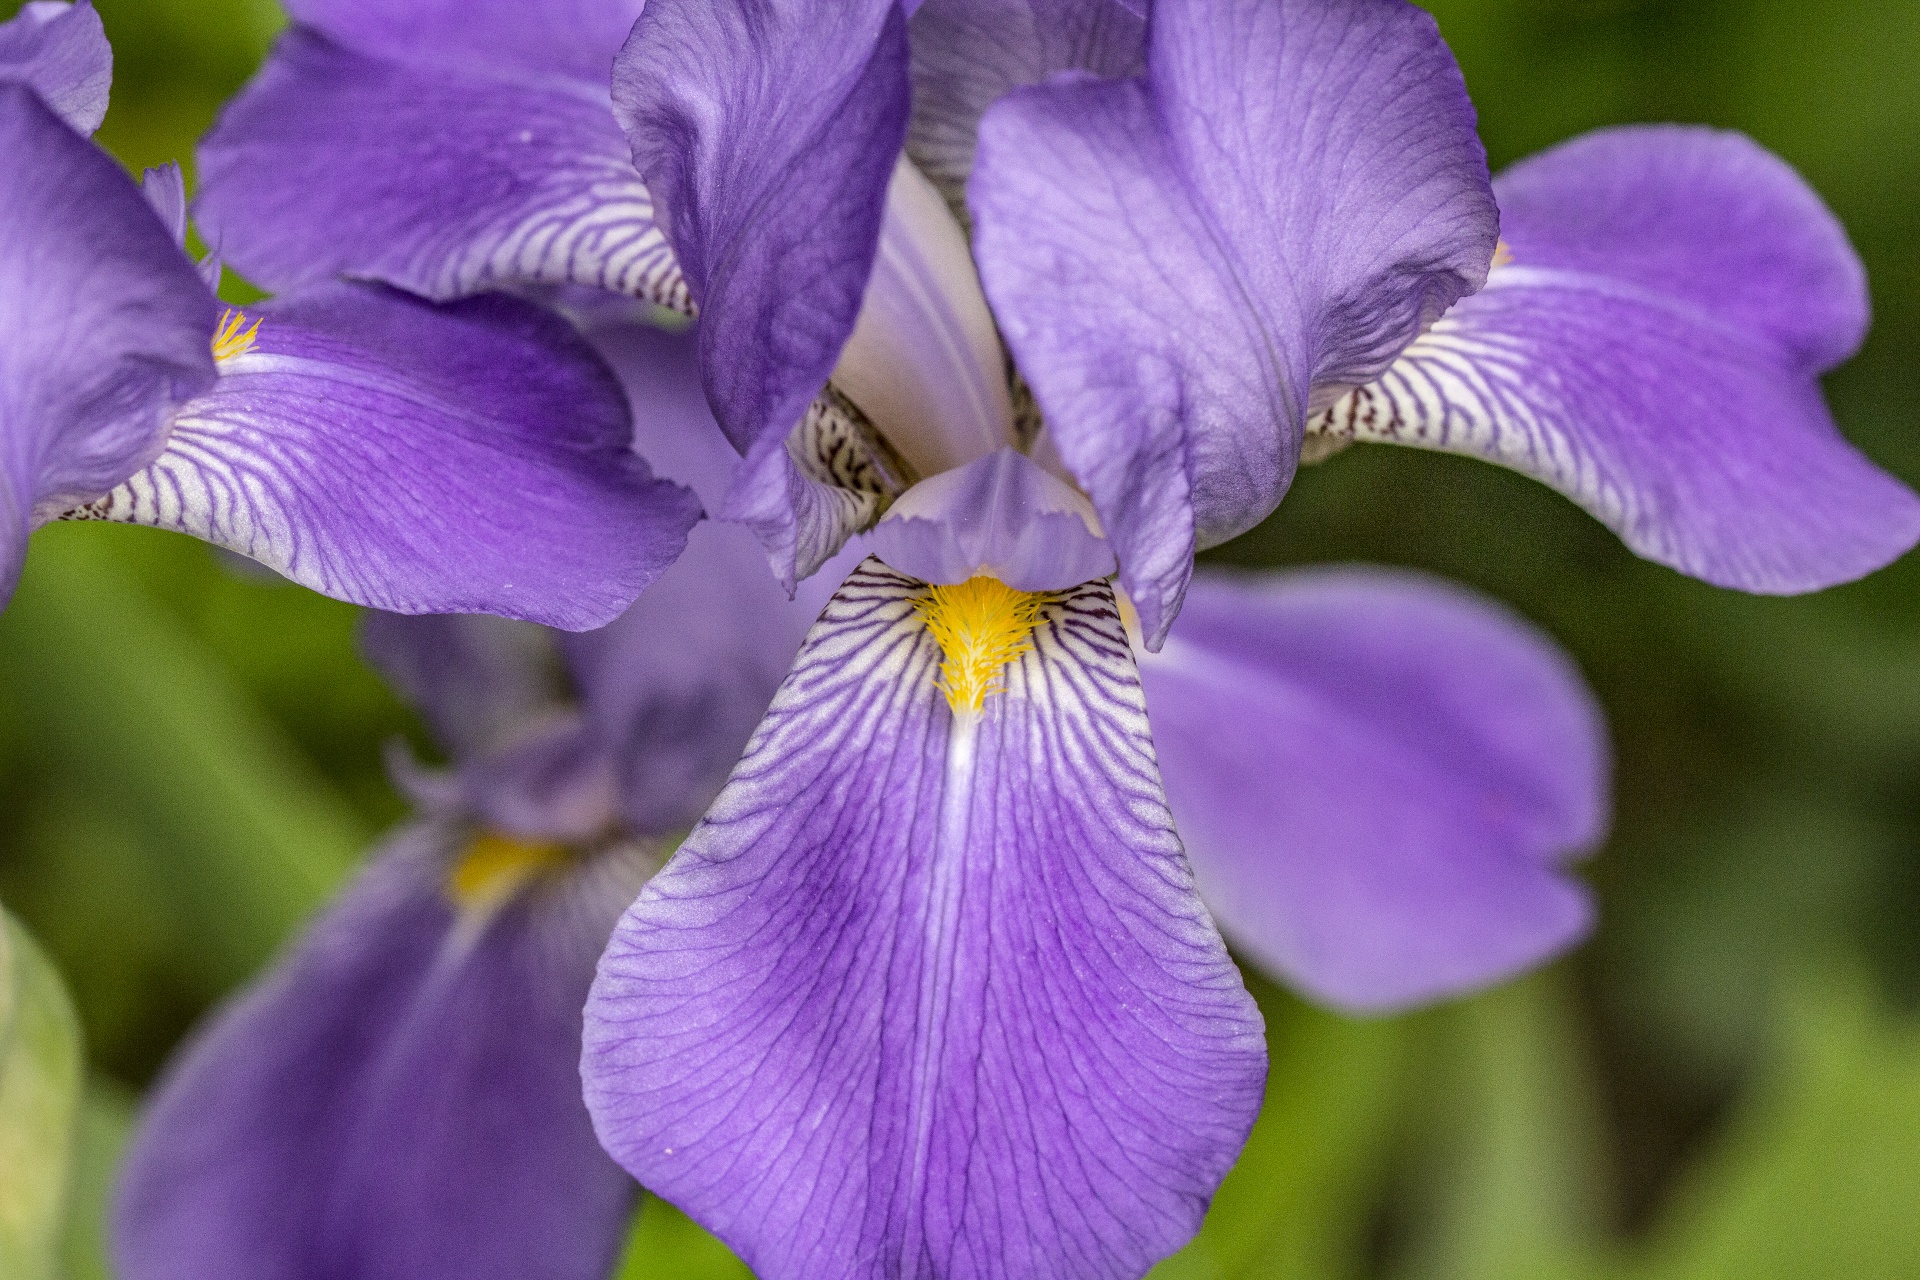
39,1104
126,704
668,1245
1297,1205
106,1122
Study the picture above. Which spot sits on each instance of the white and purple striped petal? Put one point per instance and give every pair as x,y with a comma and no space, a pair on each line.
60,51
446,181
1380,779
461,459
399,1097
104,326
1179,262
931,995
1651,350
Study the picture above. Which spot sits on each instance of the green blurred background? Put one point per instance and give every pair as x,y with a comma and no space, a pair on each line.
1724,1083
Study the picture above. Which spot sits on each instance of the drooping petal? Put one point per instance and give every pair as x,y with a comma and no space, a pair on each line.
1290,194
566,39
1001,516
398,1097
1379,778
930,995
60,51
473,458
446,182
1651,352
473,678
675,686
105,325
767,132
968,54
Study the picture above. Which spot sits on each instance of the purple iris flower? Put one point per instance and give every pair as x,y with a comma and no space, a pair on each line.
418,458
400,1094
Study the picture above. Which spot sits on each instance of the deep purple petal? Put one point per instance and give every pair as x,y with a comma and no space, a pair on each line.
767,131
475,679
1001,516
473,458
1651,352
445,182
571,39
104,327
61,52
968,54
921,1002
676,685
398,1097
1378,777
1290,194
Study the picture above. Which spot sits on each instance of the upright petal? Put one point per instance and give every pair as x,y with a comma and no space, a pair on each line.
473,458
444,181
1652,353
767,131
564,39
1379,778
398,1097
473,678
968,54
1290,194
104,327
930,995
60,50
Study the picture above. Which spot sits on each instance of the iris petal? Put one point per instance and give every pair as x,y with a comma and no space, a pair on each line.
927,1000
61,52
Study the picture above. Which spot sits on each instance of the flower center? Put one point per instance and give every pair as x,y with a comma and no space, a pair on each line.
231,340
982,624
498,866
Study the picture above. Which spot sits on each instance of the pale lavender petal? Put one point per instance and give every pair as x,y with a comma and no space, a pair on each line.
1379,778
566,39
554,783
1651,352
767,132
442,181
61,52
104,327
921,1001
473,458
1290,194
473,678
1001,516
166,191
968,54
398,1097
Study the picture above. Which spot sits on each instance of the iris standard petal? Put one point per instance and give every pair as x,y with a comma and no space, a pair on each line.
1290,194
472,458
444,181
473,678
61,52
104,326
968,54
1001,516
767,131
568,39
927,996
1651,352
398,1097
1379,778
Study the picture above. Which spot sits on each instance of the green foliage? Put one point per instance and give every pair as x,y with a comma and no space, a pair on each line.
39,1105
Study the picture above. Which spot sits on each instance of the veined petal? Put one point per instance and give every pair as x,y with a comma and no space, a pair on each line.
398,1097
1001,516
60,51
968,54
1290,194
1379,777
446,182
106,326
473,458
1651,352
930,995
571,39
767,132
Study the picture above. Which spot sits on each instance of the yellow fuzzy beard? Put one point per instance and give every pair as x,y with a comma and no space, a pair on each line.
982,625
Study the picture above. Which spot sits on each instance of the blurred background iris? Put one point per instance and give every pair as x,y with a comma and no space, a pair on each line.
1724,1083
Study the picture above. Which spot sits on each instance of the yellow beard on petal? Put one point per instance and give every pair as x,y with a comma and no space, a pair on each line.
230,340
496,867
982,624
